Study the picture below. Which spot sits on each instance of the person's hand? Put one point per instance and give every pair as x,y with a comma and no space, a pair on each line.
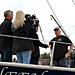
66,55
48,46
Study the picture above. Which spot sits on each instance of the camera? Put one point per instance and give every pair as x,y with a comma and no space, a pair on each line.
30,19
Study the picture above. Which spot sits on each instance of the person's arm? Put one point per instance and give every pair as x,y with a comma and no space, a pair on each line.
67,40
41,44
67,54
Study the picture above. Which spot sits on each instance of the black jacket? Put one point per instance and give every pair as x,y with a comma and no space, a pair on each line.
0,39
20,45
36,52
6,30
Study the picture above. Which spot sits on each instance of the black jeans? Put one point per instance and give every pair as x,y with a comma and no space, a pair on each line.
34,61
60,63
6,55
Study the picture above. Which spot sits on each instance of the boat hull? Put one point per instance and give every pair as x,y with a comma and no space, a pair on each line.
25,69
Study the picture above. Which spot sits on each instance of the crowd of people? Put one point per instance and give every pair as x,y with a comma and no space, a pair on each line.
27,50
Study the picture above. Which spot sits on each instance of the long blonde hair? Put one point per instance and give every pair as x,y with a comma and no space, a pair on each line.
19,19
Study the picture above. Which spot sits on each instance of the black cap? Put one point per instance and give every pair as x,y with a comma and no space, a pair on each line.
57,28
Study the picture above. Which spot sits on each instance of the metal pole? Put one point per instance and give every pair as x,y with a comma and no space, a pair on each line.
60,26
51,62
42,34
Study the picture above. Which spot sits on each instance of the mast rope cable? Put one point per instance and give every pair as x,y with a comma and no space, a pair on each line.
42,34
58,20
73,2
55,16
53,11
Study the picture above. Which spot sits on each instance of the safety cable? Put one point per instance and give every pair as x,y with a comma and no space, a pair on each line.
42,34
56,17
52,11
58,20
17,37
73,2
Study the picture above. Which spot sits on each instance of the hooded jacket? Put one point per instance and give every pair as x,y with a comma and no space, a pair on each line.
20,45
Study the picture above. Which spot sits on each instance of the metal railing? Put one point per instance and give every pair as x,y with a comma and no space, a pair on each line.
51,62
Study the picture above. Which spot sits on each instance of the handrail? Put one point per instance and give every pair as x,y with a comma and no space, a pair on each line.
18,37
51,62
61,42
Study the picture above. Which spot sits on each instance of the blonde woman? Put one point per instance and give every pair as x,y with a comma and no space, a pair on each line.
22,47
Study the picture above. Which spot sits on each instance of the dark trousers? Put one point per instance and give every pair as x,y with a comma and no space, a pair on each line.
6,55
34,61
60,63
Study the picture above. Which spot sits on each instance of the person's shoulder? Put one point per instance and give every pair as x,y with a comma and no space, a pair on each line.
7,22
64,36
26,24
1,24
50,42
53,39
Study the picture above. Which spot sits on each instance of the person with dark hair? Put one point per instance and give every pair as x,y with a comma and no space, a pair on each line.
6,42
36,52
61,52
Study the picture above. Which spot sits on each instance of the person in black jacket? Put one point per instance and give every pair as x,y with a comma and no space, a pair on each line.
0,45
6,42
22,47
36,53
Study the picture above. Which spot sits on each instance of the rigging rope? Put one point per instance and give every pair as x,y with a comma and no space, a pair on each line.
42,34
73,2
56,16
53,11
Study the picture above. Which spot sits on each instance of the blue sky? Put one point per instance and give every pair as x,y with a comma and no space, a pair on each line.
64,9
